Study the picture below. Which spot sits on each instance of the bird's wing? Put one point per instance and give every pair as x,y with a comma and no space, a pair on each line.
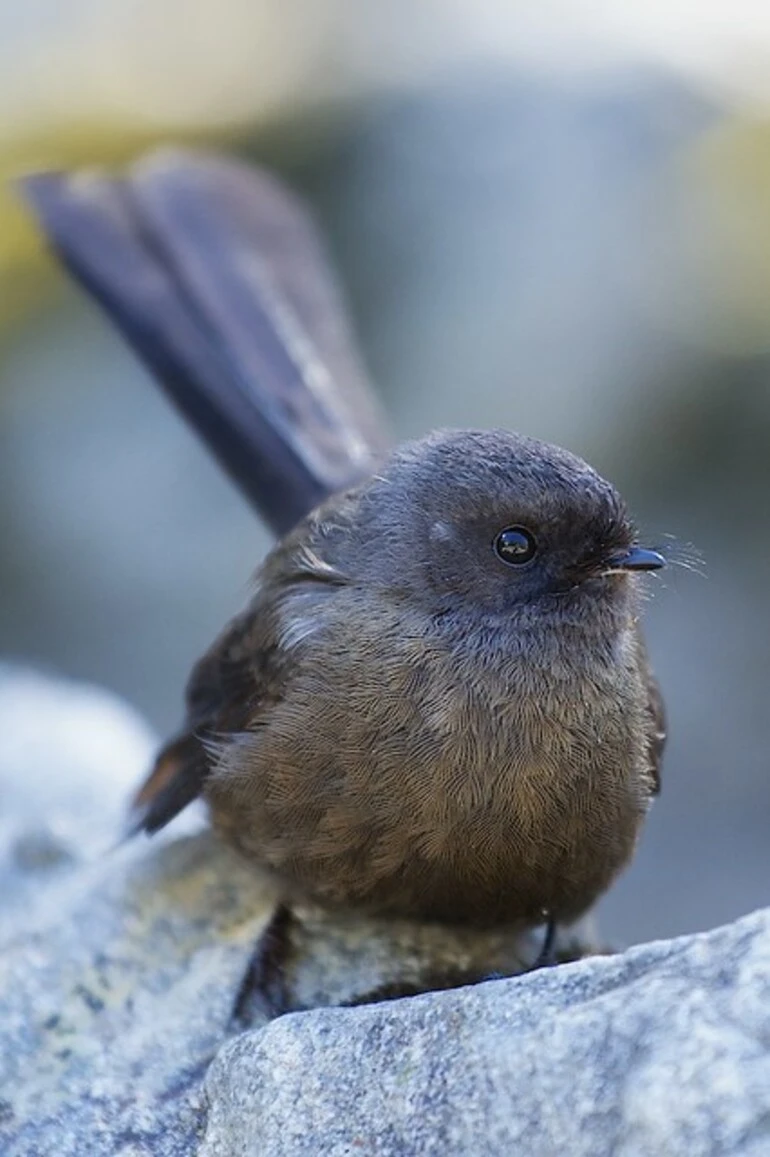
226,690
233,686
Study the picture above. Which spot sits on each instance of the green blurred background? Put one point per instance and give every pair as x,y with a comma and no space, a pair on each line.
554,217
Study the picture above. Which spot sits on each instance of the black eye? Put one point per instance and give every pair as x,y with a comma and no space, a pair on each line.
515,545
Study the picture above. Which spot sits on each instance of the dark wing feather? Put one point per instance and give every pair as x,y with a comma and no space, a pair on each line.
225,690
242,675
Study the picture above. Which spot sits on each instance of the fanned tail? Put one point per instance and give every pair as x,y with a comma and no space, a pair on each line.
215,274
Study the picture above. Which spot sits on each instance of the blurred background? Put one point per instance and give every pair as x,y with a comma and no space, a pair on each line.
553,216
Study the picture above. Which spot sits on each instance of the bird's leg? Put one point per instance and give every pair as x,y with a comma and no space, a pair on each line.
264,983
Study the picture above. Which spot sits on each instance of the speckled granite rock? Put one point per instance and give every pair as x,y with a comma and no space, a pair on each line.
661,1052
69,754
113,1005
116,966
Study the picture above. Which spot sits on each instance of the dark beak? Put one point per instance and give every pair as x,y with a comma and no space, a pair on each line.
635,558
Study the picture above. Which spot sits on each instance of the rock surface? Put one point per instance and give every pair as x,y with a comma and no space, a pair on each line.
69,755
662,1051
119,972
116,966
113,1004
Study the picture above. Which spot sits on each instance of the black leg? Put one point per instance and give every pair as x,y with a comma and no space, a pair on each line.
263,987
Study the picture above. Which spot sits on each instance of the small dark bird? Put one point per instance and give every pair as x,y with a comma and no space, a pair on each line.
438,702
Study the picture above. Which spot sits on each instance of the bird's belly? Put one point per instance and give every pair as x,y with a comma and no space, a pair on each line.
498,865
447,798
482,847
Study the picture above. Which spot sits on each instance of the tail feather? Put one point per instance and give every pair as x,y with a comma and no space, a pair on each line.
215,275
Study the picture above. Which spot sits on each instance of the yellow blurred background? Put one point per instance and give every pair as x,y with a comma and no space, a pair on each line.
553,216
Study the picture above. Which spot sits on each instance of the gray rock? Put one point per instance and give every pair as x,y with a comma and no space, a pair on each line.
662,1051
114,1001
117,966
69,755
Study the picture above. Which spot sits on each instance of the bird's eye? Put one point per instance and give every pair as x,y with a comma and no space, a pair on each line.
515,545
